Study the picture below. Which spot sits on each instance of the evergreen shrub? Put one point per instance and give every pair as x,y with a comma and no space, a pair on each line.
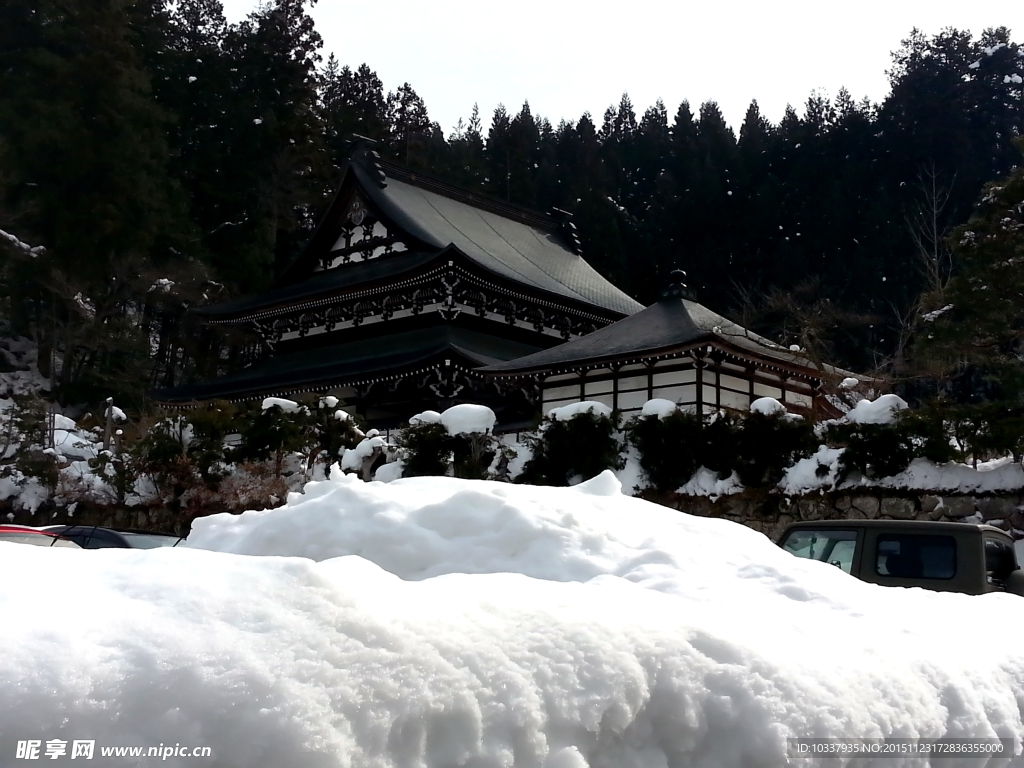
930,432
582,446
769,443
670,448
721,447
874,450
428,450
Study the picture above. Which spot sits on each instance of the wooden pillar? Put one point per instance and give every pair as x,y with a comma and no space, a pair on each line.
615,387
698,364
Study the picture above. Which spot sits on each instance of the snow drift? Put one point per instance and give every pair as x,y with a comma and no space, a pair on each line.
438,622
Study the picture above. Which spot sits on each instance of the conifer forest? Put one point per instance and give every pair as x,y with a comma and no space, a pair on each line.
154,158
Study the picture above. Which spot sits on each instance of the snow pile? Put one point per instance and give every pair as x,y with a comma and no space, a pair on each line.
849,383
520,626
1001,475
566,412
880,411
468,419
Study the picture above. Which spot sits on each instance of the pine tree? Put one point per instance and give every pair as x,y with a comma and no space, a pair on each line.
409,126
977,325
351,103
88,163
274,166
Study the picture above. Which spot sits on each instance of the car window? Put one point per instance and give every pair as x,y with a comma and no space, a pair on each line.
149,540
93,538
916,556
834,547
1000,559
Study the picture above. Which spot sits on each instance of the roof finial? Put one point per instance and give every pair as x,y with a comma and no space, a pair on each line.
677,288
361,150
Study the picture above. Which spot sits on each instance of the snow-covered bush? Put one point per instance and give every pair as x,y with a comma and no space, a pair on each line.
769,441
873,450
721,444
29,427
674,444
277,428
574,443
459,441
670,446
272,432
426,448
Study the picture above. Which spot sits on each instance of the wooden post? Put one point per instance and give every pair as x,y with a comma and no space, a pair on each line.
110,422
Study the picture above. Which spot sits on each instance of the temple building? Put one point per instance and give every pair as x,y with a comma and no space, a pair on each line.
407,286
677,350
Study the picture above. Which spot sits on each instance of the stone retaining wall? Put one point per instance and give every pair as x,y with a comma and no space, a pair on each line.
771,513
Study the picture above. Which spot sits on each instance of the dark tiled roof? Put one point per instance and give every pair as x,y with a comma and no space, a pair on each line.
432,217
513,244
668,324
349,362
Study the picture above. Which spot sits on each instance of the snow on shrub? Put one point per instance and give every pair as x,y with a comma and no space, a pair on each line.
566,412
659,407
767,406
880,411
365,455
468,419
287,406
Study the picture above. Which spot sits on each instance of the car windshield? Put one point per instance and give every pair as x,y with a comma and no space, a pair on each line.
833,547
150,540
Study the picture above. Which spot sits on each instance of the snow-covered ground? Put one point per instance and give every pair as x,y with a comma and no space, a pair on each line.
436,622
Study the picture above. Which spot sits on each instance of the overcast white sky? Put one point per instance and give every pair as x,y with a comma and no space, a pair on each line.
571,57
